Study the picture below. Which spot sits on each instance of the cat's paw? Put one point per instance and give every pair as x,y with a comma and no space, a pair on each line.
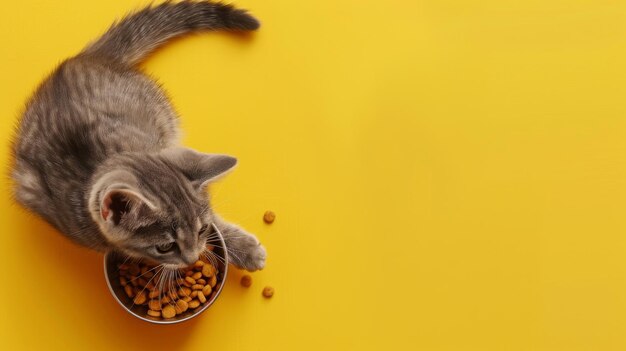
247,253
256,259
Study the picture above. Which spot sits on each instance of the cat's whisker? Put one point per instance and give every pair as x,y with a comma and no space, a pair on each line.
213,254
211,258
170,275
166,282
237,251
156,285
230,249
126,260
176,277
230,237
137,277
144,289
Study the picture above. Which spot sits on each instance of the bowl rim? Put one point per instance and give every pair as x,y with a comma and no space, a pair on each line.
172,321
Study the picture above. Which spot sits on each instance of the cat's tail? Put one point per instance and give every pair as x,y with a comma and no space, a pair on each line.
134,37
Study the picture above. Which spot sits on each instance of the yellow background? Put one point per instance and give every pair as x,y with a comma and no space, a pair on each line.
447,175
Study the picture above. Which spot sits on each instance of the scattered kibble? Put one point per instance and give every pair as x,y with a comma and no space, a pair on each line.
269,217
268,292
246,281
190,292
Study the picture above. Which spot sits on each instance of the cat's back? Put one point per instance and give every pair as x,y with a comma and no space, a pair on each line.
104,105
83,113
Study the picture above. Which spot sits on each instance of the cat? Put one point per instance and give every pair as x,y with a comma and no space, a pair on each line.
97,152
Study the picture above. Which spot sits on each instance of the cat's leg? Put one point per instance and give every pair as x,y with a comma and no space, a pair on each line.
244,249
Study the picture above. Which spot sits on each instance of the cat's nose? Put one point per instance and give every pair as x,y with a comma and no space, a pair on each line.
189,259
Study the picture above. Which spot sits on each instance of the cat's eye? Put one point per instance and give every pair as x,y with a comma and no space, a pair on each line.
174,226
203,229
165,248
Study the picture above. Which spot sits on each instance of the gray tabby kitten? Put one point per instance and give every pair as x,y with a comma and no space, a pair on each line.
97,151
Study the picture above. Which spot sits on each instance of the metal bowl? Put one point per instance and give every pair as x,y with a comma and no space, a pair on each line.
111,273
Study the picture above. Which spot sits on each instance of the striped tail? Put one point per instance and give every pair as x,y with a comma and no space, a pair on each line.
137,35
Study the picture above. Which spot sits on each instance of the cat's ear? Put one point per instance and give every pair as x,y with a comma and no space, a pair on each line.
119,203
198,167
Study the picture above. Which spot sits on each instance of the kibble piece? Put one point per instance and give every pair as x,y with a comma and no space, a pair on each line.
186,299
194,303
213,281
208,270
189,273
154,293
123,281
194,293
197,275
201,297
129,291
172,294
246,281
166,300
207,290
197,287
269,217
199,263
154,313
190,280
201,281
184,291
268,291
154,305
168,311
141,298
181,306
142,282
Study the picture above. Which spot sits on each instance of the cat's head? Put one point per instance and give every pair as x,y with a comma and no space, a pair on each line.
155,206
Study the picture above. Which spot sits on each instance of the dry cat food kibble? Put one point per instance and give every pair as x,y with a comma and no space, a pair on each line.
246,281
145,285
268,291
269,217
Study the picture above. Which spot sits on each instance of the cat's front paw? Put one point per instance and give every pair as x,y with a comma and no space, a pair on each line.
256,259
247,253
